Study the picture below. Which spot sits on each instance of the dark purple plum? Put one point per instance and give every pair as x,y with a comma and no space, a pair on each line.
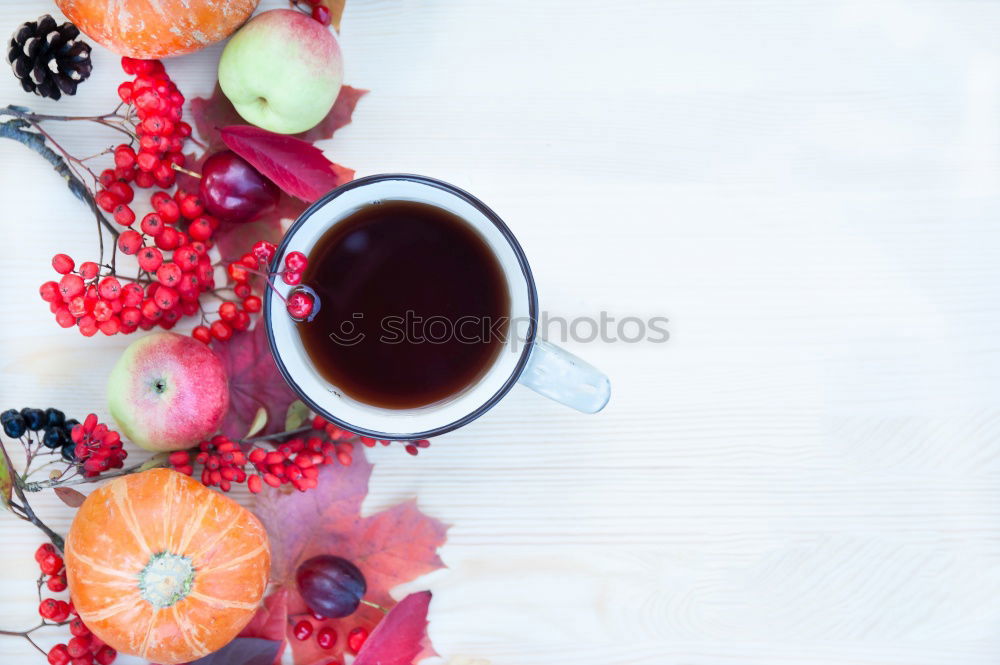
331,586
233,190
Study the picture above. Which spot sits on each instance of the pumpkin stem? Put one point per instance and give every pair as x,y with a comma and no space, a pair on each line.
166,579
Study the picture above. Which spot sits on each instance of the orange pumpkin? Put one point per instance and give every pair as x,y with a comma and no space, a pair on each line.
163,568
157,28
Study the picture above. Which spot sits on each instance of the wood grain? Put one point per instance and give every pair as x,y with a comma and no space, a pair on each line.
809,470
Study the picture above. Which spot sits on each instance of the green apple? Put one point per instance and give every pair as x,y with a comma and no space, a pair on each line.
282,71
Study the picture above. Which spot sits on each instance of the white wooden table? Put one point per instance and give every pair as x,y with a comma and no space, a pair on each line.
809,470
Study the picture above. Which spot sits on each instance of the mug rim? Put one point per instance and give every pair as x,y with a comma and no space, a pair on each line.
488,213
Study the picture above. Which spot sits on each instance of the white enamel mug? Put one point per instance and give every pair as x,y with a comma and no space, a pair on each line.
535,363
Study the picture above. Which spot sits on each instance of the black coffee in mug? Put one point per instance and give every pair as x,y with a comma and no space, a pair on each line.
413,305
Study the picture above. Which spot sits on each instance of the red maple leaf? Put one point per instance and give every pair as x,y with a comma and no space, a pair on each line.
210,114
254,383
391,547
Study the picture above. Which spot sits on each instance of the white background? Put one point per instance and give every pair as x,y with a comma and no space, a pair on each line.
809,470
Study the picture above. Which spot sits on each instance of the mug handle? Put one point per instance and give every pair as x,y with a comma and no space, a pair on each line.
561,376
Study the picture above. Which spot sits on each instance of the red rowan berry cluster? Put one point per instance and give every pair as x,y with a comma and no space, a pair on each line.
295,462
97,448
171,243
84,648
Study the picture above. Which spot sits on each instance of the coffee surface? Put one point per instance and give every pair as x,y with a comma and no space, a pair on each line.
413,305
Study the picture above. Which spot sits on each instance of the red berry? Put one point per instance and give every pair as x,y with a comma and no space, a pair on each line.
129,242
221,330
191,207
111,326
44,550
71,286
109,288
150,259
164,175
254,484
166,298
147,161
89,270
105,655
59,655
159,199
296,261
227,311
200,229
64,317
264,251
123,214
50,292
51,564
63,264
252,304
242,321
321,13
291,277
303,629
169,238
56,583
144,179
237,272
79,646
300,305
151,224
242,290
169,273
78,628
106,200
151,310
124,156
202,334
326,638
125,92
356,639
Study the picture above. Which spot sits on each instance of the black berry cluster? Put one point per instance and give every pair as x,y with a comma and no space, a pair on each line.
49,426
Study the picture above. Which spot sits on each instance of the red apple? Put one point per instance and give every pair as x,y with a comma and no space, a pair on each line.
168,392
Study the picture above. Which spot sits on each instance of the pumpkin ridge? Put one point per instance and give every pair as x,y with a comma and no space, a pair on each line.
240,559
168,501
222,602
104,570
144,647
119,494
212,543
191,528
187,632
106,613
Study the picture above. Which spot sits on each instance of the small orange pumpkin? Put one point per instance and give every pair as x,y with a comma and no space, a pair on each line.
163,568
157,28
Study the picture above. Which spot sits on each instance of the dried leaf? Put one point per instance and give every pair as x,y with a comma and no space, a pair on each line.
70,496
391,547
298,167
297,414
336,11
243,651
254,383
259,421
210,114
400,636
6,478
338,116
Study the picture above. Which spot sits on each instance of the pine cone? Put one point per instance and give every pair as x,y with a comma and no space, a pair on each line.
47,58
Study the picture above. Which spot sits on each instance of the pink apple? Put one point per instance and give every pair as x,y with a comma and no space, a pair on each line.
168,392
